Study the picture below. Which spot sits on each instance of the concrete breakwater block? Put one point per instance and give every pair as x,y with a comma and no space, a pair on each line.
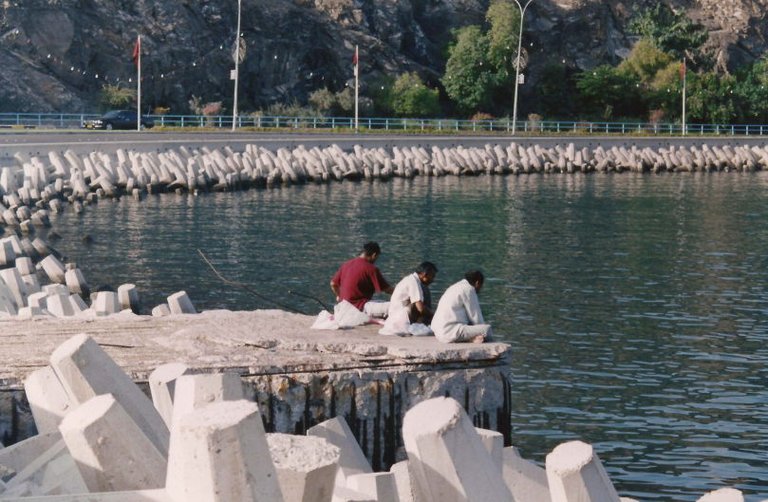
448,458
306,466
220,453
47,399
161,310
526,480
7,301
53,472
7,254
128,295
352,460
75,281
25,265
494,444
179,303
162,386
111,450
402,479
17,457
723,495
106,303
54,269
575,473
12,279
86,371
192,392
379,486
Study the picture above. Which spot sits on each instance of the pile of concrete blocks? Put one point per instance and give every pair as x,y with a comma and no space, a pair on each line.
198,439
32,186
35,283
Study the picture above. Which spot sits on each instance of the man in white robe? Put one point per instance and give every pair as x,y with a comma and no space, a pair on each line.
458,317
407,304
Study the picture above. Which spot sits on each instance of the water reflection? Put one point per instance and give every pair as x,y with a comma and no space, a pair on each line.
636,305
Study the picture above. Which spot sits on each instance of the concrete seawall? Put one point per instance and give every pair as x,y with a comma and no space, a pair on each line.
299,377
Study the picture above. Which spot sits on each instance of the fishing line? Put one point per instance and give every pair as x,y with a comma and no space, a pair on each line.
247,287
310,297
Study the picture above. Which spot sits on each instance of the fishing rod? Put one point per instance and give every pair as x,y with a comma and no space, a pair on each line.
310,297
247,287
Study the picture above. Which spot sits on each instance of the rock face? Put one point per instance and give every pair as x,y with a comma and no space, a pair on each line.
57,54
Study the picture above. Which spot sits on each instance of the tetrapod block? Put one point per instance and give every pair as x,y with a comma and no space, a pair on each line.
352,459
575,473
379,486
162,384
449,461
111,450
306,466
85,371
179,303
723,495
195,391
220,454
494,444
47,398
526,480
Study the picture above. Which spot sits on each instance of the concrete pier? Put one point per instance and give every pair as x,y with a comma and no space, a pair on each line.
299,377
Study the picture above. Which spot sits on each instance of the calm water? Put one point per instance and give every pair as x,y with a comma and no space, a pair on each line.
636,305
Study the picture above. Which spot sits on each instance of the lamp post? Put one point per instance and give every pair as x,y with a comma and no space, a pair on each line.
237,66
517,65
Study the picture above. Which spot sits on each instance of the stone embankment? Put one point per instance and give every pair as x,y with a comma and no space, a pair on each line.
32,186
199,438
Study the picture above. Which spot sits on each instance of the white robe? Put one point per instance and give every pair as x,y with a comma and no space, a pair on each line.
458,307
406,293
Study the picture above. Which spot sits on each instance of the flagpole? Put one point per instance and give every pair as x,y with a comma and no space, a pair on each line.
138,84
685,75
237,67
357,89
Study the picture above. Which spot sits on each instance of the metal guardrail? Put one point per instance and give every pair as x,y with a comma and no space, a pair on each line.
504,125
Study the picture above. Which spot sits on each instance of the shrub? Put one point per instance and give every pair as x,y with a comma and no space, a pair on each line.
114,96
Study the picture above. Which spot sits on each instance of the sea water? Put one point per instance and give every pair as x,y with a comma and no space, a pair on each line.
636,305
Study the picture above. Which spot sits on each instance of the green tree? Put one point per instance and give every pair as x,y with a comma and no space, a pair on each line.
644,61
555,91
381,91
323,100
411,98
114,96
752,93
608,92
711,98
669,31
469,77
504,20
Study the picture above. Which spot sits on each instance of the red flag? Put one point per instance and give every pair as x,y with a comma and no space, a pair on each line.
682,70
137,51
355,58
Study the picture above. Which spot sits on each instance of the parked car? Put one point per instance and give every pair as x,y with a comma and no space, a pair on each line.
118,119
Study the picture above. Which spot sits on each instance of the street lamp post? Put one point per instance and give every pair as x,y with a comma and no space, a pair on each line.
237,66
517,65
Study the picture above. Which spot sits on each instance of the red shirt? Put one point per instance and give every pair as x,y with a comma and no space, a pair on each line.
358,279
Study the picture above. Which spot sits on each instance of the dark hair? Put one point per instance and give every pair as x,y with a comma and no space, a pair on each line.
371,248
474,276
426,267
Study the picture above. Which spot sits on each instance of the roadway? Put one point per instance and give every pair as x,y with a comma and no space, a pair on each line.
82,142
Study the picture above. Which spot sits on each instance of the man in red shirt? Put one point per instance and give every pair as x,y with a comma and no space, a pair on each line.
358,279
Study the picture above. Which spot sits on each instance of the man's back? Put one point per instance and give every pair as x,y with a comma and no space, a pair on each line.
458,307
358,280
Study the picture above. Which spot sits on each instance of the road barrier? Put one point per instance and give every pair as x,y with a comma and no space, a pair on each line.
390,124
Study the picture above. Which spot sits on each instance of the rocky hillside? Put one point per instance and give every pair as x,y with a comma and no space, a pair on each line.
56,55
